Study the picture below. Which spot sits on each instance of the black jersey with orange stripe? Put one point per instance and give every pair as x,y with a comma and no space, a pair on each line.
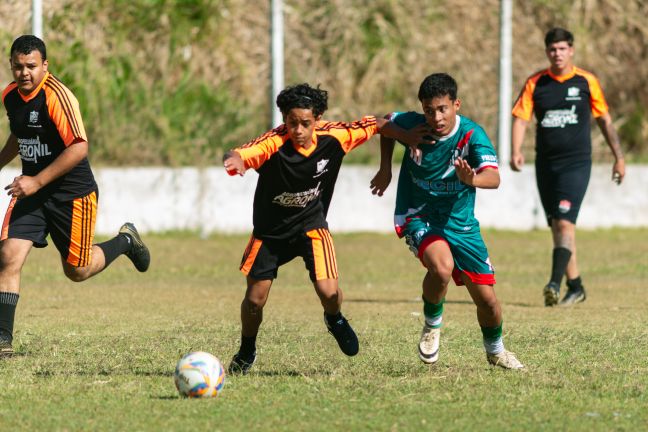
45,123
563,107
295,185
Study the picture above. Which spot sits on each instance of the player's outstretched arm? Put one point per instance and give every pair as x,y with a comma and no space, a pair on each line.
612,138
488,178
517,136
411,137
233,163
383,177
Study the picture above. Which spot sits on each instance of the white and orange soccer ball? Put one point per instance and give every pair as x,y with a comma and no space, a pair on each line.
199,375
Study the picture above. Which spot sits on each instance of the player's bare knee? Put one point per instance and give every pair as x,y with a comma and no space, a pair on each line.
9,263
76,274
253,305
329,296
441,271
488,304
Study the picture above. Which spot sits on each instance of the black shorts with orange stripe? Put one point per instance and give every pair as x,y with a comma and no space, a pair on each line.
70,224
262,258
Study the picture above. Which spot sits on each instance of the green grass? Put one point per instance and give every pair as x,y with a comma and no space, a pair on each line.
100,355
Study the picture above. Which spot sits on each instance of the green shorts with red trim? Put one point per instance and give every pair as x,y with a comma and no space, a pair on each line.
467,247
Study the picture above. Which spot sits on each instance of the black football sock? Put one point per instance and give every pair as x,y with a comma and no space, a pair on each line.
114,247
575,284
248,346
8,302
559,263
332,319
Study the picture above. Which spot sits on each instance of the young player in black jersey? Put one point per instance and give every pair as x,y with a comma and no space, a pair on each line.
298,164
56,193
562,98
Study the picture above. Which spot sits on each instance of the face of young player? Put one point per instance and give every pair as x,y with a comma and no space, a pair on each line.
441,114
301,124
28,70
560,56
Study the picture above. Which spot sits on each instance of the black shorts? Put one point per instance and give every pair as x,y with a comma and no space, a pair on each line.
262,258
562,186
70,224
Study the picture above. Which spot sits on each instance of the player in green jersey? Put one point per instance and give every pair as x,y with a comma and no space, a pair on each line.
435,204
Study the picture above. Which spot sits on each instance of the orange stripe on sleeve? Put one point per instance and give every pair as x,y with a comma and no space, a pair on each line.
350,135
258,151
598,104
63,109
523,107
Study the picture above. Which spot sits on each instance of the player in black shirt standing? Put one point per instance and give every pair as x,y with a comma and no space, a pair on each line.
563,99
298,164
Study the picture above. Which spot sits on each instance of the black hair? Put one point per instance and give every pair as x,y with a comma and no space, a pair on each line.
25,44
558,34
303,96
438,85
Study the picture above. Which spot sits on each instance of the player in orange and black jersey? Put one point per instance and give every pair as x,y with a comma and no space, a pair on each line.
562,98
298,164
56,193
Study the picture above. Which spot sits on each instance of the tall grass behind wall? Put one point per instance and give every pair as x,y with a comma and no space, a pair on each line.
176,82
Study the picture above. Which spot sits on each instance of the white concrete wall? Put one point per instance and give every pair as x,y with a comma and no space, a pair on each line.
208,200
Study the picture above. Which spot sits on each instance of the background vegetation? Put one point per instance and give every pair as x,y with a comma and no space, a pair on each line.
99,356
173,82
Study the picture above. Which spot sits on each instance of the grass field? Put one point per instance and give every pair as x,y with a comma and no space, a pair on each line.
100,355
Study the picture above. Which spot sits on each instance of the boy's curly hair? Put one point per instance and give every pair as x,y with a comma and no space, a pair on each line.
303,96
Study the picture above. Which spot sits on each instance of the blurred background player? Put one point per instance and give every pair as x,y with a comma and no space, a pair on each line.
56,193
298,164
562,98
435,203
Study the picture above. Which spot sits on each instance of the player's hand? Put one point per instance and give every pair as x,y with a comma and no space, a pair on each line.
233,163
23,186
464,171
380,182
418,135
618,171
517,161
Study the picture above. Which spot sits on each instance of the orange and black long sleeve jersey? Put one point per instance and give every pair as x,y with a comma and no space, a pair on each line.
563,107
295,185
45,123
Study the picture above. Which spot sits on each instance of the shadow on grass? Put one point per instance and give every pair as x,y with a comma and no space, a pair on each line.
395,301
284,373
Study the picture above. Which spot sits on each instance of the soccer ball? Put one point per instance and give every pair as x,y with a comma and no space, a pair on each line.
199,375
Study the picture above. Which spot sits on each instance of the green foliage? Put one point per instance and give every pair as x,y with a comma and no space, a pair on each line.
100,355
634,132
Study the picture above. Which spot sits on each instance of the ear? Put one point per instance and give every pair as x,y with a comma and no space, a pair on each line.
318,118
457,104
45,64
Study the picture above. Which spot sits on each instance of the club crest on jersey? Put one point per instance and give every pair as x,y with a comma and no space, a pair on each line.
564,206
573,93
33,117
321,165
